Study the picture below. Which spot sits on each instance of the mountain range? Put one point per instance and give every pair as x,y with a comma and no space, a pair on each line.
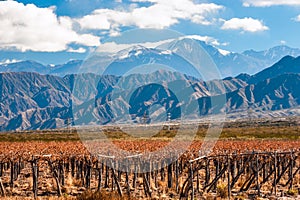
29,100
181,54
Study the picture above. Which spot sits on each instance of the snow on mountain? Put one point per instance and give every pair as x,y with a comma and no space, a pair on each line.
224,52
139,56
9,61
274,54
229,63
189,48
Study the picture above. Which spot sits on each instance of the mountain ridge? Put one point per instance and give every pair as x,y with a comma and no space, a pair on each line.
34,101
229,63
29,100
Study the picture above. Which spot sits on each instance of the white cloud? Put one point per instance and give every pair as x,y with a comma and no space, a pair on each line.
199,19
283,42
160,14
245,25
267,3
27,27
79,50
297,19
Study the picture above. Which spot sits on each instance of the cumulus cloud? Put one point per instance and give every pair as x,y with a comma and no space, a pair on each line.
267,3
160,14
245,25
297,19
27,27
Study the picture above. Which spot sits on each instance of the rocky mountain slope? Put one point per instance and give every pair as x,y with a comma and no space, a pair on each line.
33,101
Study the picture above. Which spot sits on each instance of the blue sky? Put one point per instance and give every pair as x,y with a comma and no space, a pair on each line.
55,31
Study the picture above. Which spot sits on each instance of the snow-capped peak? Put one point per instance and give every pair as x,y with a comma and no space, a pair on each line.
8,61
135,50
136,47
224,52
207,39
165,52
194,37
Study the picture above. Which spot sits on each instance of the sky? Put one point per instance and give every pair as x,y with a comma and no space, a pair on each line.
56,31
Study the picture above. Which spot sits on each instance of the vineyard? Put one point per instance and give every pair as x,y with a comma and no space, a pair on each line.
248,161
66,169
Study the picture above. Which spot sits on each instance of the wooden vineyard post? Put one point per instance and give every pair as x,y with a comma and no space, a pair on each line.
228,177
55,175
99,177
257,176
275,172
22,164
192,185
217,165
77,169
278,166
134,175
106,175
73,166
82,172
155,173
112,175
291,176
34,164
2,188
1,169
198,180
147,185
170,181
127,171
17,170
67,165
148,171
207,172
7,166
118,170
177,175
162,171
115,179
233,165
88,175
62,172
11,174
264,168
